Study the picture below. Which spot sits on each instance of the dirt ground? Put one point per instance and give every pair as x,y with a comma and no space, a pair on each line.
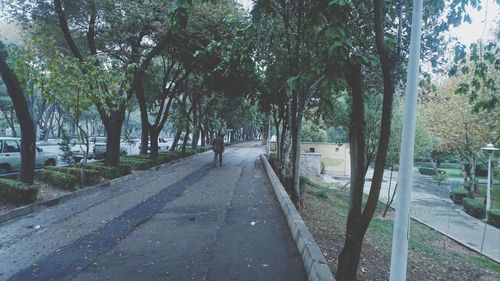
432,256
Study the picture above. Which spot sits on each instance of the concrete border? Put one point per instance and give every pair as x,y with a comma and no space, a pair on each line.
35,207
314,262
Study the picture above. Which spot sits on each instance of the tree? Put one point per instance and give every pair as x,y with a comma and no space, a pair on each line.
14,89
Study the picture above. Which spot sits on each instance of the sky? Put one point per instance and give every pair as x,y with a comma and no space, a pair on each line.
469,33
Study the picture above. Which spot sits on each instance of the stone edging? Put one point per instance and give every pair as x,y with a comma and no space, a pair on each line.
35,207
314,262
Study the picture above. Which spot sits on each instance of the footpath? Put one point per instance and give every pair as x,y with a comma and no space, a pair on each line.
432,206
181,221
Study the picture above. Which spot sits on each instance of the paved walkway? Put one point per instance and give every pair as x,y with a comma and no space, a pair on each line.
185,221
431,205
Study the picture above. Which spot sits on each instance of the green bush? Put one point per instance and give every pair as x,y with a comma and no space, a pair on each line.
166,157
137,163
459,194
58,179
474,208
189,152
494,217
91,176
15,192
429,171
109,172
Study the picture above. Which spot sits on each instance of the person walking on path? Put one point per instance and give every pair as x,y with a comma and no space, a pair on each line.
218,148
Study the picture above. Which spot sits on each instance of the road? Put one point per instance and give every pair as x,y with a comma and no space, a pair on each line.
184,221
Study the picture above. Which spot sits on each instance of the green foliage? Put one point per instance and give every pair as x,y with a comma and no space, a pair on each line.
459,194
312,132
474,208
15,192
91,176
64,146
429,171
109,172
481,69
137,163
494,217
440,178
58,179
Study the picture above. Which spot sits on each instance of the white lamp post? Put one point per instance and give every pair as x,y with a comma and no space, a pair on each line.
490,149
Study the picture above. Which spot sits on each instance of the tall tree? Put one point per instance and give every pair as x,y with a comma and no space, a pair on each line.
28,137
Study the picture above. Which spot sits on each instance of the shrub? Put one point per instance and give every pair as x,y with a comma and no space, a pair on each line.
189,152
15,192
459,194
429,171
494,217
109,172
166,157
138,164
58,179
91,176
474,208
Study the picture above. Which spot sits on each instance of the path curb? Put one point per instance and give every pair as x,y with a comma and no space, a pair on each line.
314,262
35,207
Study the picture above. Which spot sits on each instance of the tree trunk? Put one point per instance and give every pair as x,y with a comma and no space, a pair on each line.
176,139
186,138
295,130
349,256
154,143
113,127
27,171
139,93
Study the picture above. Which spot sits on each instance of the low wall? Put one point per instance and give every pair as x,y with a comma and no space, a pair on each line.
335,156
310,164
314,262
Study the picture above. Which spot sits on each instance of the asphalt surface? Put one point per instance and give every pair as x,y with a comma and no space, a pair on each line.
185,221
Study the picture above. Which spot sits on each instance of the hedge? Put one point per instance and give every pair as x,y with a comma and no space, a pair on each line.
429,171
474,208
91,176
459,194
494,217
138,164
166,157
16,192
109,172
58,179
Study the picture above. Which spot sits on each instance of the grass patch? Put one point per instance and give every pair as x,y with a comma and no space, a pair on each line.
425,243
332,162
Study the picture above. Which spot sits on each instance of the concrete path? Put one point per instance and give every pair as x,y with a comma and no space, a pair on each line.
185,221
431,205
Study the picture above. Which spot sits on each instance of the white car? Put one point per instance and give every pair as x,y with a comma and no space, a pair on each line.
10,156
163,144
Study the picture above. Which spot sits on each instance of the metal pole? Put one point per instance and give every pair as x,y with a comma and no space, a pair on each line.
401,233
488,204
269,136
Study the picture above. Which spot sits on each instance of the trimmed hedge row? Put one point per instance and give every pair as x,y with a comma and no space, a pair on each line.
459,194
429,171
16,192
494,217
91,176
58,179
474,208
138,163
109,172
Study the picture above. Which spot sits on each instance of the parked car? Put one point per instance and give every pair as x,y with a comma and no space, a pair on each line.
163,144
10,156
78,151
99,148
